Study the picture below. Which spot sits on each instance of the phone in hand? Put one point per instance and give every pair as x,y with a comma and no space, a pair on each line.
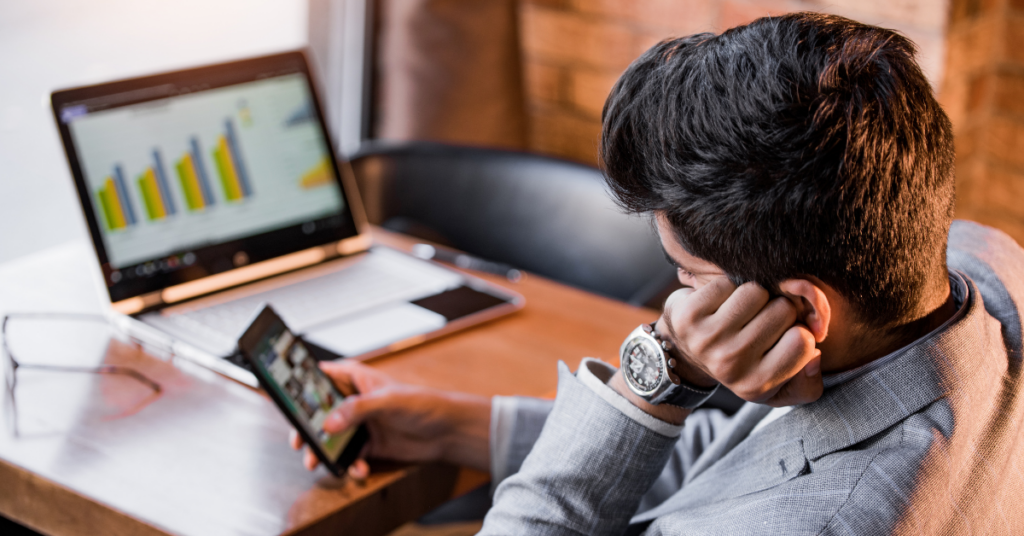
292,377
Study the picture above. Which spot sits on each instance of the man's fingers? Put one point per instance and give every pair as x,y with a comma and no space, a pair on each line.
707,299
740,307
294,439
687,307
356,410
803,388
677,297
354,377
786,359
341,373
746,340
673,303
359,470
310,460
766,328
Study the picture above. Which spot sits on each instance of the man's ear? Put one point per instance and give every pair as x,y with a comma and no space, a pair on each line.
812,306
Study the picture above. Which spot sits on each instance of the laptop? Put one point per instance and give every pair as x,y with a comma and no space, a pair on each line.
213,190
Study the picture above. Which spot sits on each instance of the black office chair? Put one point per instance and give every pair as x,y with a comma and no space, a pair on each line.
547,216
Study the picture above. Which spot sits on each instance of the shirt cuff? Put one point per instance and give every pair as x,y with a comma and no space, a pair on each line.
595,374
503,419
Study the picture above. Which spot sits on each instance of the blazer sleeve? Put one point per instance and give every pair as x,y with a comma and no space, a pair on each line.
595,458
702,427
516,422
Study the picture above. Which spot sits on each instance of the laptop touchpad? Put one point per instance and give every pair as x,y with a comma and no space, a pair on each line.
376,329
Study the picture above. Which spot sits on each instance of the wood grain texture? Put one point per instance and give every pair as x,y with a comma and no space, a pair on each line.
209,456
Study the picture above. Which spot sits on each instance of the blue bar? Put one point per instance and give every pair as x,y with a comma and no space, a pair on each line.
236,155
204,181
122,192
161,182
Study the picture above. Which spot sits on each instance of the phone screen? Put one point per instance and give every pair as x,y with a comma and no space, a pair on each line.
306,392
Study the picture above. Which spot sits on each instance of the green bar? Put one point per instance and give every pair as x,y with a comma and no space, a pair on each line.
148,197
104,196
192,197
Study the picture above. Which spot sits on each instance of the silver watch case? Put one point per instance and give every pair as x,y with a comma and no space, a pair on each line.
648,374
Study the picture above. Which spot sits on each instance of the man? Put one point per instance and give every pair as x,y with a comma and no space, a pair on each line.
800,174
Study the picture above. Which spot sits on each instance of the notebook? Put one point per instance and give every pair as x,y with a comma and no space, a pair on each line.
210,191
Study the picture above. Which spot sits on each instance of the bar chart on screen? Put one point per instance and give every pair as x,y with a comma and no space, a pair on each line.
154,190
176,173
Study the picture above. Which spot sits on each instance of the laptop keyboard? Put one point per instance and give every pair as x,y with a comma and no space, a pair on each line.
381,277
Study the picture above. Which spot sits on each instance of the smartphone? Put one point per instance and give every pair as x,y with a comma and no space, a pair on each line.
292,377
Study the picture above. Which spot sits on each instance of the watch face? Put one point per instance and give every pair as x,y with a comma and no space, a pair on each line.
643,365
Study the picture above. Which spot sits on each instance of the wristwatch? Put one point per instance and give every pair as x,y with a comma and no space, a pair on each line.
649,371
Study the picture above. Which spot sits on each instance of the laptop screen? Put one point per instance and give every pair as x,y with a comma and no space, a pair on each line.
184,176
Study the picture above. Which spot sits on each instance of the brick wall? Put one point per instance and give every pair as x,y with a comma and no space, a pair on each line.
984,96
574,50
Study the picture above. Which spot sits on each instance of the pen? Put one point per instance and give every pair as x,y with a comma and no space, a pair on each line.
469,262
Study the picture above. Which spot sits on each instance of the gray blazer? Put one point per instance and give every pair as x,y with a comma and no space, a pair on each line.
929,443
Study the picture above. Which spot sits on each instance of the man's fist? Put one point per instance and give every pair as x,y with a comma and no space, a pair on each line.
746,340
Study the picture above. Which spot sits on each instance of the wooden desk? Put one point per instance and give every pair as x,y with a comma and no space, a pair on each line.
209,456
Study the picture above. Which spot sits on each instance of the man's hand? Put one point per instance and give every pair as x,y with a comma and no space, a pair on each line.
741,337
406,422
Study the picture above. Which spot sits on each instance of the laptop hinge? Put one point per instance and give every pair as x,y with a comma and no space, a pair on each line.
241,276
356,244
138,304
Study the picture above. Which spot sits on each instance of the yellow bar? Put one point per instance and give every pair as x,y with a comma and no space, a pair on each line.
190,183
231,183
318,175
159,205
117,206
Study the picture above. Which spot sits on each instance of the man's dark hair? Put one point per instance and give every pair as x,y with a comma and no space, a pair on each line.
806,144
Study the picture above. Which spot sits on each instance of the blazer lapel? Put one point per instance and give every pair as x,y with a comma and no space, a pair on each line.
769,458
745,420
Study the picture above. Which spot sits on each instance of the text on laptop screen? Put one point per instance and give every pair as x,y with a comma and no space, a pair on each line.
172,175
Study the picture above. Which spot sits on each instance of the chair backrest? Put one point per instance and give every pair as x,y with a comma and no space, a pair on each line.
545,215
